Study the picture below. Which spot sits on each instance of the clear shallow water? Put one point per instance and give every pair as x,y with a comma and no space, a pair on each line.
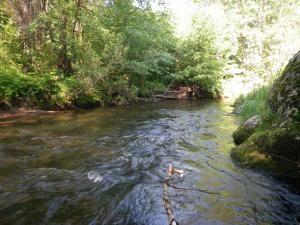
106,166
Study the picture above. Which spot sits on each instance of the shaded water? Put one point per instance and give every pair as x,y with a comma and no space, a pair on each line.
106,166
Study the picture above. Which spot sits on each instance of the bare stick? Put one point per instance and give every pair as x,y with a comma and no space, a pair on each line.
170,213
167,204
194,189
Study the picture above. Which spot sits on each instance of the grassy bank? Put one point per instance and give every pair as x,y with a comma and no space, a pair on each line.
255,103
270,146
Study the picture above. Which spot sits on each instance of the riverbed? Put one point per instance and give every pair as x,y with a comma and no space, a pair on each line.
106,166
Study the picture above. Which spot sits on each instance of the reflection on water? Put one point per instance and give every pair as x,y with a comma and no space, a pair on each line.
106,166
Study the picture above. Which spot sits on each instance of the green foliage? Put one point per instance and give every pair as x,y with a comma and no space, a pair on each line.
20,90
200,64
151,87
119,92
261,35
9,50
151,46
255,103
110,52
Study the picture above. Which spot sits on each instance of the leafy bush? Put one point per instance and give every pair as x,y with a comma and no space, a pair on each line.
118,92
19,90
151,87
81,93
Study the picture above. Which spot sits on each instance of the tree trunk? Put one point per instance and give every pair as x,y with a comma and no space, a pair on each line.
64,62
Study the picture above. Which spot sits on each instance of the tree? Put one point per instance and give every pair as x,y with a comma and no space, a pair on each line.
200,63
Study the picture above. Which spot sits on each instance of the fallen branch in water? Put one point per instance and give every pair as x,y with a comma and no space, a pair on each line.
170,213
167,204
194,189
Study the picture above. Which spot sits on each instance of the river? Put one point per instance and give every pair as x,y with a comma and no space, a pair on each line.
106,166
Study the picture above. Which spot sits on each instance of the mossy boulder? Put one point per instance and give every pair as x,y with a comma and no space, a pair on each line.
246,129
284,97
274,144
276,151
249,155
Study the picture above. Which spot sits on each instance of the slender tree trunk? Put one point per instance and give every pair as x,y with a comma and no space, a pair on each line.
77,27
25,11
64,62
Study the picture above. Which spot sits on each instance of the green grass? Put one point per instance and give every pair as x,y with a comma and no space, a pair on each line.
255,103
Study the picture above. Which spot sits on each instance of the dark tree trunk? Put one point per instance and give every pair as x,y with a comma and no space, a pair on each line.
25,11
64,62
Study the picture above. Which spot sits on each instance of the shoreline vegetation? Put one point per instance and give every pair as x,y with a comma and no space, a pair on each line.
57,55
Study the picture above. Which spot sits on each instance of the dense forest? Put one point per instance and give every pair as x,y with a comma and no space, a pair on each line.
60,54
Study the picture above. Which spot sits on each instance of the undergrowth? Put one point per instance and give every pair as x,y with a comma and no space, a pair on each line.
254,103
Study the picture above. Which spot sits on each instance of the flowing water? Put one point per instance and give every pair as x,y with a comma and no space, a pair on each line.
106,166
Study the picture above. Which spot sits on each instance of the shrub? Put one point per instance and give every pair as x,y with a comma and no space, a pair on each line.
32,90
151,87
118,92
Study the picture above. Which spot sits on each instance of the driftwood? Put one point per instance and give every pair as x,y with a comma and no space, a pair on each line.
170,213
167,204
164,97
176,92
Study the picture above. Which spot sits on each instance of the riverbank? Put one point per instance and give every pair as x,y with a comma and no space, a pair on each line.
26,111
23,111
269,137
19,112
